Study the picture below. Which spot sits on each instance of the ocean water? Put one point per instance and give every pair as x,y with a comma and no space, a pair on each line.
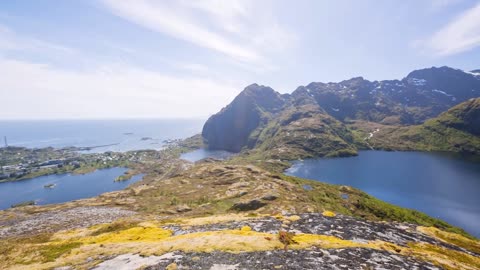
443,186
120,135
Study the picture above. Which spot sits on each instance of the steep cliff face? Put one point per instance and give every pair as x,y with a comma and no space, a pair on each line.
230,128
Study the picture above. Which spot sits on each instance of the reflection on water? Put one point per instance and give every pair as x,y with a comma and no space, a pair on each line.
202,153
440,185
62,188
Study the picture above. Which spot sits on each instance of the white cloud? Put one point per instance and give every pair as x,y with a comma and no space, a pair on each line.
41,87
235,28
110,91
459,35
196,68
11,41
43,90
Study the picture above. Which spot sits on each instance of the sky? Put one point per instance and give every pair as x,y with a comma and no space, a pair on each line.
188,59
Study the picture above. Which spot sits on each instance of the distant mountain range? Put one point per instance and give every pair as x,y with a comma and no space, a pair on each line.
336,119
421,95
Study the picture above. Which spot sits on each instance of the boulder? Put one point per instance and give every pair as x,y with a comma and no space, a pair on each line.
270,197
249,205
183,208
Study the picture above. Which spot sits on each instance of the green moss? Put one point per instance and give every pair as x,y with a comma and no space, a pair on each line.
115,226
51,252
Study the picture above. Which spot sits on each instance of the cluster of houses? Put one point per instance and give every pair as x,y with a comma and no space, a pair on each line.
32,162
19,170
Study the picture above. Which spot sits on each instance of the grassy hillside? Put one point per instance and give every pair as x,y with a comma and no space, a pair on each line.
303,131
456,130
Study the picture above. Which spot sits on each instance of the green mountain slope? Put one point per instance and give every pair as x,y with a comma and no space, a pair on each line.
269,125
456,130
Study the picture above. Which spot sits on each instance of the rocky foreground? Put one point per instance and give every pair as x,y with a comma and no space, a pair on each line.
234,241
215,215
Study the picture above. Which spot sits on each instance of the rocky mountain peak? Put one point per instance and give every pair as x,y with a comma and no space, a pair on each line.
354,80
230,128
441,75
262,96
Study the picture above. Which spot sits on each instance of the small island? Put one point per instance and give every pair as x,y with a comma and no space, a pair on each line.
50,186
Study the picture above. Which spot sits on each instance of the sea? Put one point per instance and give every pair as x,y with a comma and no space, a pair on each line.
101,135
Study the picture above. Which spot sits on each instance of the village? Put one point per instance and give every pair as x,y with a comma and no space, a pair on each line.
18,163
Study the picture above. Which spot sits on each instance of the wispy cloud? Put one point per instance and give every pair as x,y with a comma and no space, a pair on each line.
30,89
108,91
459,35
234,28
11,41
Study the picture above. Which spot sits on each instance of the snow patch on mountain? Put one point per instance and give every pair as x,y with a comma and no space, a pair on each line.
417,82
441,92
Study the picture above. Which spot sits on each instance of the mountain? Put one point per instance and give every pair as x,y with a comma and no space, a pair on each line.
456,130
421,95
302,129
278,126
317,119
231,127
476,72
464,117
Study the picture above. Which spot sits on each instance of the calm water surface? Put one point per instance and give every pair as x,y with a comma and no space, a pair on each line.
442,186
67,187
205,153
119,135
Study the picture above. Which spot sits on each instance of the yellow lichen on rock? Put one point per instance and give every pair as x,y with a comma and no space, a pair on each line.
228,241
446,258
327,241
328,214
287,219
213,219
451,238
293,218
136,234
143,232
74,247
246,228
172,266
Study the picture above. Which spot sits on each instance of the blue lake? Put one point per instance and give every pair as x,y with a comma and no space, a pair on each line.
443,186
67,187
202,153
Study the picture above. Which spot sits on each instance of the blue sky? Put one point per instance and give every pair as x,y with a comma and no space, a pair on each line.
168,59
